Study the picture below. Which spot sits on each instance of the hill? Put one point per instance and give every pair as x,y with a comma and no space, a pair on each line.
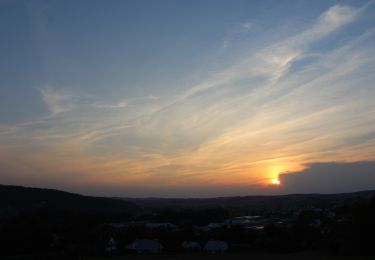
15,199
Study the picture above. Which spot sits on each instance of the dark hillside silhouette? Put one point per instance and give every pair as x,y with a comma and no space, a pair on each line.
17,198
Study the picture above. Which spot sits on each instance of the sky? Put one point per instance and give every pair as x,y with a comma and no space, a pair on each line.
175,98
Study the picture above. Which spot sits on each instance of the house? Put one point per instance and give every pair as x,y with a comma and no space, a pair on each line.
216,246
191,245
111,246
145,245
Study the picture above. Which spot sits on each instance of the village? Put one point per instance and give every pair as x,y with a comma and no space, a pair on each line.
232,234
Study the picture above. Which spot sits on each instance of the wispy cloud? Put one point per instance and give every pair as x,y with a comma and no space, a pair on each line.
125,102
120,104
246,26
57,100
274,60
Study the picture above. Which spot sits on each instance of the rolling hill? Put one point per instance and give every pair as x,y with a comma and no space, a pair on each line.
14,199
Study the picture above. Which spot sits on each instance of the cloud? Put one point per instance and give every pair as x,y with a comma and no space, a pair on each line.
331,177
125,102
336,16
57,100
279,56
246,26
120,104
277,107
274,60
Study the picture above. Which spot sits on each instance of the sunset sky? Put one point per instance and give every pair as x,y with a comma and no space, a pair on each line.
188,98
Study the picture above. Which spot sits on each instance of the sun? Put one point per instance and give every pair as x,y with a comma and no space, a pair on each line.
275,181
